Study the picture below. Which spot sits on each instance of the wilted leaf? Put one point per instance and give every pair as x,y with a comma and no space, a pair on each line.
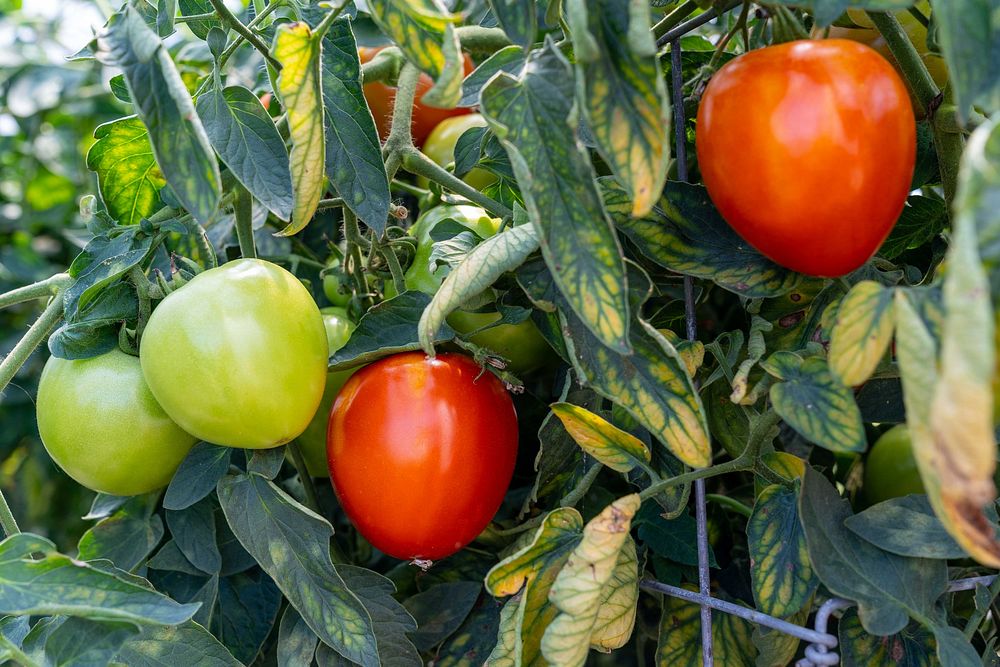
128,177
615,448
861,332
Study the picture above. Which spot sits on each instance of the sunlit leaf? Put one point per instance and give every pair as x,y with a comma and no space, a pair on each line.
127,174
533,116
298,51
861,332
615,448
621,90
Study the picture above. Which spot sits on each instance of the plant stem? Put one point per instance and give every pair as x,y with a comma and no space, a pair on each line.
417,163
208,16
326,204
478,39
352,233
7,521
693,24
979,614
729,503
32,339
47,287
574,496
229,18
142,289
409,188
400,137
384,66
17,656
398,280
673,19
303,470
231,49
244,223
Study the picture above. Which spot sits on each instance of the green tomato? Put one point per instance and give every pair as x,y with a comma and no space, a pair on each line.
238,355
100,423
890,469
336,288
440,147
312,442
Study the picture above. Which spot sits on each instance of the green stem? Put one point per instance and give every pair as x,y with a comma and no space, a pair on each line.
303,470
477,39
32,339
384,66
17,656
352,234
398,280
674,18
417,163
229,18
948,143
42,288
208,16
409,188
729,503
244,223
142,289
326,204
231,49
980,612
7,520
400,131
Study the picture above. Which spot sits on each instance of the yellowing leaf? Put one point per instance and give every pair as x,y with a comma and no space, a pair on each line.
127,174
692,352
506,652
615,448
679,644
861,332
298,51
616,613
578,590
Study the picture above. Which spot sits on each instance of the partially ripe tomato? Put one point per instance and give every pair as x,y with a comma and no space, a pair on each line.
100,423
238,355
890,469
440,147
380,99
312,442
807,149
421,452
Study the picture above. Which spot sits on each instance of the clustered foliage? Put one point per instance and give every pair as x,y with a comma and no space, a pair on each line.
247,133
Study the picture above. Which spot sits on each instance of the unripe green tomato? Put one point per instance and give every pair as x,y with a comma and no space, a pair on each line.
336,288
890,469
100,423
238,355
312,442
440,147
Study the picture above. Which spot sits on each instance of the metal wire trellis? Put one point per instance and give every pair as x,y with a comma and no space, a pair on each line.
819,651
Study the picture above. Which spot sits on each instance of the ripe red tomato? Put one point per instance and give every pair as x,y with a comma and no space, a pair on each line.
421,452
380,98
807,149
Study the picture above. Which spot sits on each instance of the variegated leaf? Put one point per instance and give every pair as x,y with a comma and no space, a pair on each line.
615,448
861,332
127,174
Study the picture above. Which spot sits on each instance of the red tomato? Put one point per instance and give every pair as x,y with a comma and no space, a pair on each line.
807,149
421,452
380,98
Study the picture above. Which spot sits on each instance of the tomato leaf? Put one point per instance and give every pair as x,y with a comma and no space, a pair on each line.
425,31
922,219
353,152
188,644
299,85
673,539
679,642
827,11
272,527
76,641
861,332
913,645
775,648
440,610
780,572
296,640
128,177
509,59
197,475
886,587
685,233
533,116
103,260
622,93
248,607
518,18
57,584
475,638
94,329
967,32
953,648
387,328
246,139
617,449
814,403
196,7
193,530
127,537
164,105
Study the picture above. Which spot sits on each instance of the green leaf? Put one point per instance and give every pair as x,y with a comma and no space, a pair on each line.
621,90
353,152
93,329
953,648
685,233
913,645
780,571
197,475
579,589
533,570
299,86
533,115
188,644
861,332
193,530
828,11
425,31
246,139
76,641
518,18
390,620
248,608
57,584
480,269
163,104
440,610
191,8
673,539
509,59
969,34
886,587
814,403
472,643
166,13
619,450
128,536
387,328
679,643
922,219
103,260
907,526
291,544
296,641
128,177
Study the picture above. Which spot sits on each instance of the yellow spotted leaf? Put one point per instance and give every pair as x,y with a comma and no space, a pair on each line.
578,591
298,51
786,465
506,652
615,448
862,329
616,614
692,351
679,644
425,31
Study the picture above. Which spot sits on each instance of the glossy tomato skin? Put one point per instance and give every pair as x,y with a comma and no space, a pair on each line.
440,147
421,451
890,469
100,423
807,149
380,98
312,441
238,355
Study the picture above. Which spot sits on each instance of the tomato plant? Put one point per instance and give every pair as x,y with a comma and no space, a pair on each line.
890,469
817,105
440,147
443,438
